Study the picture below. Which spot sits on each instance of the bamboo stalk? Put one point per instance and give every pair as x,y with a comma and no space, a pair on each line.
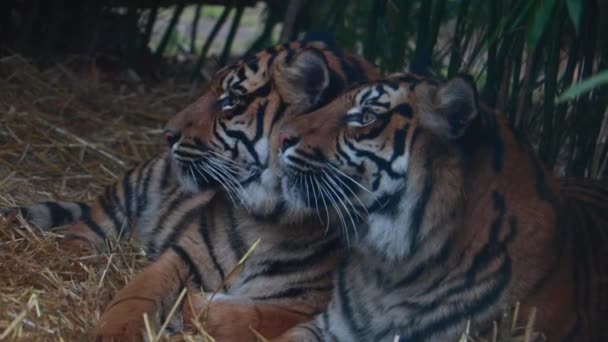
149,25
194,27
231,34
205,49
456,54
177,13
289,23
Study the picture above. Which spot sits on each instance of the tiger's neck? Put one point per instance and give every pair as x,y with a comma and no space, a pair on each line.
427,212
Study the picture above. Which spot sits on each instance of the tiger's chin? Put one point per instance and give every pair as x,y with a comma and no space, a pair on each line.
295,199
194,182
262,197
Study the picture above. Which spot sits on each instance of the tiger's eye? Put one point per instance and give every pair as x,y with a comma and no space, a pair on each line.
368,117
228,102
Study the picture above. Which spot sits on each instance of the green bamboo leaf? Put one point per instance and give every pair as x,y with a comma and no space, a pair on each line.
521,15
584,86
542,15
575,10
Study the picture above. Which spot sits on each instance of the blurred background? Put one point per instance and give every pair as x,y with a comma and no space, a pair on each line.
543,63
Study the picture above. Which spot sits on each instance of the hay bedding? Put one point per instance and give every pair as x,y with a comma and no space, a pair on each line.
64,136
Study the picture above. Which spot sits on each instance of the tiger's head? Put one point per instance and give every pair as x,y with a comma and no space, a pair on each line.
381,150
225,136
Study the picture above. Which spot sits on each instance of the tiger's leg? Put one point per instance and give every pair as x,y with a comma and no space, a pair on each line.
153,291
232,318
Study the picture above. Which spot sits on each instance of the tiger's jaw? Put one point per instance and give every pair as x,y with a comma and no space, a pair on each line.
260,193
319,187
252,185
199,169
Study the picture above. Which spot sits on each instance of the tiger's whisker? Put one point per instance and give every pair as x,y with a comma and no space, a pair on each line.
333,168
207,168
338,210
308,201
226,172
339,172
333,179
337,195
226,159
313,183
324,206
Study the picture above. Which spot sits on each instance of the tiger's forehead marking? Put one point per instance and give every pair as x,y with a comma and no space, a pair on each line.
385,95
252,70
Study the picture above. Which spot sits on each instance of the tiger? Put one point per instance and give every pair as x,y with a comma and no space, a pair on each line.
462,218
195,209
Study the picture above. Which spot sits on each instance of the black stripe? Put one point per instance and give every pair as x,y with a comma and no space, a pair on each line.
234,236
420,208
489,251
25,212
180,197
382,164
85,209
292,292
166,175
144,180
278,115
296,160
322,277
304,245
127,189
187,259
242,137
204,230
110,210
377,128
487,296
341,152
179,152
223,142
179,228
272,268
438,258
399,141
468,309
94,227
59,215
346,308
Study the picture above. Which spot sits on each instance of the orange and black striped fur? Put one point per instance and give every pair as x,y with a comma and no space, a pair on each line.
194,233
463,219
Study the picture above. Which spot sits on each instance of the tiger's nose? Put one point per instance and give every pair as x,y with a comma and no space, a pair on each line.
172,137
287,140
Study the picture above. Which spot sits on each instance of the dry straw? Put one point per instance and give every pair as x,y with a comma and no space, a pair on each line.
64,136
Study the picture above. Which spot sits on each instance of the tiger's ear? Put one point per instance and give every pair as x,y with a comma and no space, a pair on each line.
449,109
303,79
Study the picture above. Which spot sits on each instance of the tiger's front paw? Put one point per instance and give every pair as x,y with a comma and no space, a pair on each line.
220,319
123,320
